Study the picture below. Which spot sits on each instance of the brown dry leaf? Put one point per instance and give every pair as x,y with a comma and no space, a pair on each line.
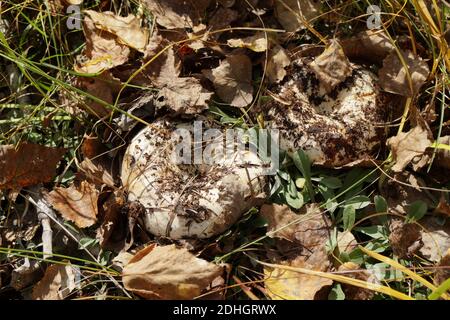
332,66
57,283
222,19
103,50
277,62
76,203
27,165
405,238
435,238
442,272
103,87
257,42
167,272
175,14
112,233
293,14
95,172
311,231
346,242
127,29
309,236
352,270
289,285
409,147
233,80
393,75
402,190
372,45
183,95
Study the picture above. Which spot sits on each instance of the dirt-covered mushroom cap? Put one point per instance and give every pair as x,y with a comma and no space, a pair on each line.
189,200
335,128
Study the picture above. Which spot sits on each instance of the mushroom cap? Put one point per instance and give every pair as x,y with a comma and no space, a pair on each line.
188,200
334,129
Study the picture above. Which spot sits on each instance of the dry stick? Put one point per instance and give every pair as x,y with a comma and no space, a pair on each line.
45,208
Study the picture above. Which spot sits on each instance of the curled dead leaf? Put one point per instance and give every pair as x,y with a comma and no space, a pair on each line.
332,66
435,237
103,50
294,15
371,45
405,238
394,75
442,272
182,95
27,165
289,285
308,235
174,14
167,272
77,203
233,80
409,147
352,270
277,62
127,29
57,283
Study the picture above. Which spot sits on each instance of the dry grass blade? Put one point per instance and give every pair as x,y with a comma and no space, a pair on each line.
401,268
354,282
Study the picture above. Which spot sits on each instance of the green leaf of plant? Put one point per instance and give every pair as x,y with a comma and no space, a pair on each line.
331,182
348,217
380,204
336,293
303,164
416,211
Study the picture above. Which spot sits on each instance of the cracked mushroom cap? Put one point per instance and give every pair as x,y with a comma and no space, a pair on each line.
188,200
334,129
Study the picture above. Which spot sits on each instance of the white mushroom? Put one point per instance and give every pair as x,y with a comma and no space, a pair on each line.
333,129
189,200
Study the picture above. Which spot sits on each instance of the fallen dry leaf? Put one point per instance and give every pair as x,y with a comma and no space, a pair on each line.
27,165
233,80
167,272
174,14
443,206
311,230
257,42
405,238
332,66
103,50
393,75
409,147
127,29
277,62
435,238
289,285
293,14
76,203
309,235
183,95
442,272
103,87
372,45
112,232
57,283
352,270
402,190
